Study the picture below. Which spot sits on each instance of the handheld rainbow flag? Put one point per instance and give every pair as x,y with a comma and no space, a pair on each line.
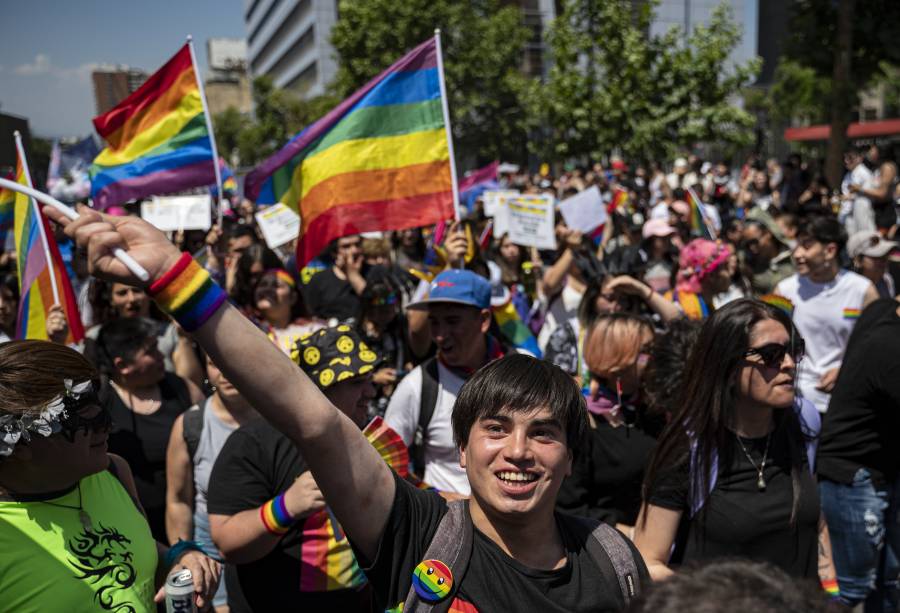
380,160
43,282
7,212
159,138
700,223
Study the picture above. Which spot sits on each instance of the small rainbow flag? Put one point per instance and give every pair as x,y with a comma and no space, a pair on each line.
618,203
158,140
380,160
37,258
514,329
779,302
852,313
700,223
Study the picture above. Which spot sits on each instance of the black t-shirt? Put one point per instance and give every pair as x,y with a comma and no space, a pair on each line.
863,418
327,296
256,464
493,581
739,520
607,473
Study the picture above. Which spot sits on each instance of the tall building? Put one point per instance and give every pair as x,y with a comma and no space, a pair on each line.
289,41
227,84
112,85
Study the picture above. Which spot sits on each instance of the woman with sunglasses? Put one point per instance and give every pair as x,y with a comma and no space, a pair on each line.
73,536
731,473
606,477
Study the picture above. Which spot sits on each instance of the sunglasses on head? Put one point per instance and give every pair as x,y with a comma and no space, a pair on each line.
773,354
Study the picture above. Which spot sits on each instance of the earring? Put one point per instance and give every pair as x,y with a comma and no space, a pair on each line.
209,385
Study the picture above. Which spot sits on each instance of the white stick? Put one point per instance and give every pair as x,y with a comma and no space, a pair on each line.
209,127
440,66
136,269
39,218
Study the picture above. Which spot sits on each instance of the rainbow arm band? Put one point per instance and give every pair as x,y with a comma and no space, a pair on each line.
831,587
275,516
187,293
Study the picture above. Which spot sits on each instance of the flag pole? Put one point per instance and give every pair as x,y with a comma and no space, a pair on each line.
440,66
209,128
38,217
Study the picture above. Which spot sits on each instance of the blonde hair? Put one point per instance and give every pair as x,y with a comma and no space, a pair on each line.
32,373
614,341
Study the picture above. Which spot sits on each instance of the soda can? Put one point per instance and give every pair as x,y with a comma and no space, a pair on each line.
180,592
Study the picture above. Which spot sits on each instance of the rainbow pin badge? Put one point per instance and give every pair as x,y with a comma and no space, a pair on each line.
432,580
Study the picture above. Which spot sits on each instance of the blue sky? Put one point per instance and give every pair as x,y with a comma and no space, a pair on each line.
48,49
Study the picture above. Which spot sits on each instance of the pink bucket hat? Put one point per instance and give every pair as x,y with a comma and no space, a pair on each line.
698,259
657,227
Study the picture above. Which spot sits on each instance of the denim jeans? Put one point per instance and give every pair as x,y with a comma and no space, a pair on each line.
865,540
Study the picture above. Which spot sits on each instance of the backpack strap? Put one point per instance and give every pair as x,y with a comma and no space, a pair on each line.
607,546
192,424
428,397
452,545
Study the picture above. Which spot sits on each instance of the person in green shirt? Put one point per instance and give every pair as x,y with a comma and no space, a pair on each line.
72,535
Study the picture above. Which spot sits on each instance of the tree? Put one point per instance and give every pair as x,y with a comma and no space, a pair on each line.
482,43
615,88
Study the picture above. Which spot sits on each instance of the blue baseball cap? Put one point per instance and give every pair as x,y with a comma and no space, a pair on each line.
457,287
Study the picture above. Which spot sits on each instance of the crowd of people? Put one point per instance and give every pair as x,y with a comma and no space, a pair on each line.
440,417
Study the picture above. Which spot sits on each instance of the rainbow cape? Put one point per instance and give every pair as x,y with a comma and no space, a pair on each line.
378,161
34,270
700,224
158,141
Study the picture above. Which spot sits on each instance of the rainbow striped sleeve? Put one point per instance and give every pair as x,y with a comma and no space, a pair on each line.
379,160
157,138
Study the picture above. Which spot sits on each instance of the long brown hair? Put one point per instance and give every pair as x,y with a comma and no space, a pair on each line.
32,373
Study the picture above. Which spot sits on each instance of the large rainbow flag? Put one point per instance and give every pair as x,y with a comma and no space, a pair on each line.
158,141
7,209
34,242
380,160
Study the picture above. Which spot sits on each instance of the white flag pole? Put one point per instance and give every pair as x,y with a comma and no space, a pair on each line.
209,127
440,66
38,218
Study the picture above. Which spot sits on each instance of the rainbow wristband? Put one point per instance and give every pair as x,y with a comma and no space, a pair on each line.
831,587
275,516
187,293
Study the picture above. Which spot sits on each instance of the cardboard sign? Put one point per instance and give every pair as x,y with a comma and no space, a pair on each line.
279,224
175,213
529,221
494,198
585,211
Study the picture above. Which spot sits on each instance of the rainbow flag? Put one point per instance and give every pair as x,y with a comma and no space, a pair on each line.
7,212
34,270
514,329
378,161
158,141
700,223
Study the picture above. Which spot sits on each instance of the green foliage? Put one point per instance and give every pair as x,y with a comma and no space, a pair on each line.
799,93
614,88
482,43
278,116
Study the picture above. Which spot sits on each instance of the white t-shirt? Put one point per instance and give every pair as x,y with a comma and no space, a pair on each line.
442,469
825,314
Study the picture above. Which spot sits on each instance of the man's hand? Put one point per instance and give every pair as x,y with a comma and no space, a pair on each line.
57,326
456,245
384,376
205,573
304,498
826,383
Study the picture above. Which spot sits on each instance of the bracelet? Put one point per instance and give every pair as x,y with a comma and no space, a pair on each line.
187,293
275,516
176,550
831,587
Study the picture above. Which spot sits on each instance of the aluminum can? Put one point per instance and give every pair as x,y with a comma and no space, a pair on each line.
180,592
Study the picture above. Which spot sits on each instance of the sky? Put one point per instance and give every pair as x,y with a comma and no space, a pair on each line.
49,48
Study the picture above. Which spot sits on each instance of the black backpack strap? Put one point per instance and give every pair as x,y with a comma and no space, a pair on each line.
428,398
192,428
452,545
605,542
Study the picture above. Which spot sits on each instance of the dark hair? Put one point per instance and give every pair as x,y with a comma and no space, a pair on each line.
520,383
698,430
824,230
10,282
726,585
33,372
244,283
121,338
241,230
664,378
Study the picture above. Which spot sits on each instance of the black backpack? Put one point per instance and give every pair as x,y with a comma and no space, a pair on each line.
192,424
452,544
427,402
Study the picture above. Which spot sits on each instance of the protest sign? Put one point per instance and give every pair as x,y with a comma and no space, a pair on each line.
585,211
279,224
529,221
176,213
494,198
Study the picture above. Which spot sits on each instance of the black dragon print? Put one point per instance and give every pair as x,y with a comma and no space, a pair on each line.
102,556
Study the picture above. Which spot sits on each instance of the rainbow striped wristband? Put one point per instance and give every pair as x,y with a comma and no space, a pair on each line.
831,587
187,293
275,516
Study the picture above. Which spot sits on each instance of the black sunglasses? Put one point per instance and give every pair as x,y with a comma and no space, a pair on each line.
773,354
74,422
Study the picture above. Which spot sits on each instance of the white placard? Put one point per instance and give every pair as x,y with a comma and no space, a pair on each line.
529,221
585,211
279,224
174,213
494,198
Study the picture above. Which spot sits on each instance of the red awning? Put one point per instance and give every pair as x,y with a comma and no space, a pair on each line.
856,130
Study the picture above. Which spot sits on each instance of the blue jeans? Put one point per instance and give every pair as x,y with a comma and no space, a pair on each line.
865,540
